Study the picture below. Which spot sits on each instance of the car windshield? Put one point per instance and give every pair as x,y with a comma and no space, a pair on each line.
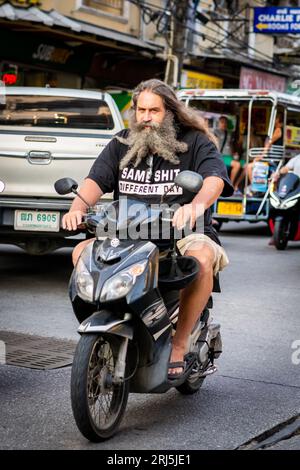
55,111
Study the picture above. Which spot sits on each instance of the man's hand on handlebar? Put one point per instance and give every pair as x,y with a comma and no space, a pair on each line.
185,214
73,220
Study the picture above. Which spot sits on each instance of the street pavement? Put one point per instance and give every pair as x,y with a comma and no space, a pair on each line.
256,388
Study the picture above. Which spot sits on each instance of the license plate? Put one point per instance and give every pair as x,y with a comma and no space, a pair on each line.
230,208
37,221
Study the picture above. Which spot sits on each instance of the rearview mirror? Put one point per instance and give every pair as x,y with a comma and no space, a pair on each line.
189,180
65,186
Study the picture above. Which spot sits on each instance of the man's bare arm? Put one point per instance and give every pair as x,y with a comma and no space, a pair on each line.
276,135
91,193
212,188
284,170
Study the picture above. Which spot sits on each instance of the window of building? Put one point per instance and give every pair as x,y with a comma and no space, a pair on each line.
113,7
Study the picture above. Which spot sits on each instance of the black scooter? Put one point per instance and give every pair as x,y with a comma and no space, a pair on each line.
126,299
285,213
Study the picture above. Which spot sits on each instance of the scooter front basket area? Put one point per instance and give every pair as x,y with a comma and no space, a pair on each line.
177,274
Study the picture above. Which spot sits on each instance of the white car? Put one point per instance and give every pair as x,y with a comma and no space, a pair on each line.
47,134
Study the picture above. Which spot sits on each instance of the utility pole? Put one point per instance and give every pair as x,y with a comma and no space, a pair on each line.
177,42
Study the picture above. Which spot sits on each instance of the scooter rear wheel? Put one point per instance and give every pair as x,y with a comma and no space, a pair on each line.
98,403
191,385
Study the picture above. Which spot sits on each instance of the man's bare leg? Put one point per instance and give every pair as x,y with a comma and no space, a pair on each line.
250,171
240,177
79,248
193,299
235,168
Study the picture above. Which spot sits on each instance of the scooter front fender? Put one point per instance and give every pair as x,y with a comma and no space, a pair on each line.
105,321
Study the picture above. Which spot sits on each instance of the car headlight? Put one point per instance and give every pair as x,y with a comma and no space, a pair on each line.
121,284
84,282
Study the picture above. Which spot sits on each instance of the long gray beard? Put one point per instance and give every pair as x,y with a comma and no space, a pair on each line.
160,139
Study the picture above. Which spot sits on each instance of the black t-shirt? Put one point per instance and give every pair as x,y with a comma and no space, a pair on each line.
149,184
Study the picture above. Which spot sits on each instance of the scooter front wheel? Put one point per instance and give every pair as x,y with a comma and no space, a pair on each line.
98,403
281,231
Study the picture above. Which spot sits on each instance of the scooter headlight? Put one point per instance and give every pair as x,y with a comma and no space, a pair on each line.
274,201
289,204
121,284
84,282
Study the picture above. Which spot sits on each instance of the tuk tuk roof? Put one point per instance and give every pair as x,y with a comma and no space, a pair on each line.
227,93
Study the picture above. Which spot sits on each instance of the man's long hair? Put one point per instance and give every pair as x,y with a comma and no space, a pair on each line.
184,117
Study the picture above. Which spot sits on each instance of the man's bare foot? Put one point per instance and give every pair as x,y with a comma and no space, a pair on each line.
177,355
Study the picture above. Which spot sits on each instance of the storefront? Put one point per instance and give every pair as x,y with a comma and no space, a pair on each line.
39,48
123,70
192,79
251,79
239,72
28,60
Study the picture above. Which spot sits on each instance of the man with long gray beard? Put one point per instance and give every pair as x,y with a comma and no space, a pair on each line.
164,139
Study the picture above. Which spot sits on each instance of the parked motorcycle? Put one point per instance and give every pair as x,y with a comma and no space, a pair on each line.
127,299
285,214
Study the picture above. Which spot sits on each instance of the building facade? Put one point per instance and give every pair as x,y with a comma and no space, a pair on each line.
114,44
76,43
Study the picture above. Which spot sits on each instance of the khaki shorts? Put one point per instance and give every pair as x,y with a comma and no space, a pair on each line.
220,259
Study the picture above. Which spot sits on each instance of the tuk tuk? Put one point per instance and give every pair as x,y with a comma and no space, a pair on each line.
251,116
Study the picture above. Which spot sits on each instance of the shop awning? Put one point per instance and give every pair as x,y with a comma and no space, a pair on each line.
241,59
54,18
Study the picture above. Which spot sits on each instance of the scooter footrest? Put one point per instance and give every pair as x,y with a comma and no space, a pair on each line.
209,371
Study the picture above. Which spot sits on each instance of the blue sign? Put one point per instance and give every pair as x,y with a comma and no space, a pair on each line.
276,20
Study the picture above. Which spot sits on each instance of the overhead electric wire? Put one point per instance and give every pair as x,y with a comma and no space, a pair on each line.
217,42
237,50
237,13
231,35
144,5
